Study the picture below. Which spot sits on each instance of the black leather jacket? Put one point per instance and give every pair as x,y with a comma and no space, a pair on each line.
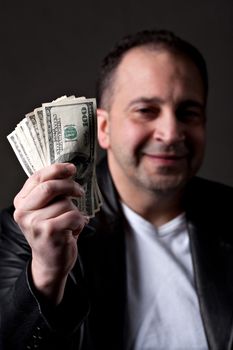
91,315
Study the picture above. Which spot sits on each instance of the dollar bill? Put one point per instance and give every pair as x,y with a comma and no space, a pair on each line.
21,153
36,135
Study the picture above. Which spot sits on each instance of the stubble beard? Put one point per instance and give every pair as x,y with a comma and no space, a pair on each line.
163,182
160,181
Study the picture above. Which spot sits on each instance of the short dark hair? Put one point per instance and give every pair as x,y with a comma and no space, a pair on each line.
157,39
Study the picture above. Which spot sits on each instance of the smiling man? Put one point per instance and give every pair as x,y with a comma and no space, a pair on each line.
153,270
154,129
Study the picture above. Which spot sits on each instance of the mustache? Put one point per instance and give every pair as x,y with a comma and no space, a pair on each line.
178,149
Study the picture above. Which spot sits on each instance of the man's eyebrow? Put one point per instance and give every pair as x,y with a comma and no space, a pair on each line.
191,103
159,101
146,100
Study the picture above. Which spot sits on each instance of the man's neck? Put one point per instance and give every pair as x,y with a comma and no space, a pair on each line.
157,211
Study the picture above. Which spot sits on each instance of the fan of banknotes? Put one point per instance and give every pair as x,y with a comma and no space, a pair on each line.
63,130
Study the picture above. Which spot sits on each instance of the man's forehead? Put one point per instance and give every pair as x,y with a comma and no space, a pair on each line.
144,60
141,54
142,73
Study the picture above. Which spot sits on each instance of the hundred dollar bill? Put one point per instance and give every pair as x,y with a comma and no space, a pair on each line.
27,135
21,154
36,135
40,121
70,134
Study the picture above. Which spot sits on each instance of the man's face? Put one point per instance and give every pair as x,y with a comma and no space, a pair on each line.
154,130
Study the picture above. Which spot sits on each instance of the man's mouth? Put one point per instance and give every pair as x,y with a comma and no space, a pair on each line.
165,158
163,154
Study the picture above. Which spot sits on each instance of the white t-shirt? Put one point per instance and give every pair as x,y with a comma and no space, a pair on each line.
162,306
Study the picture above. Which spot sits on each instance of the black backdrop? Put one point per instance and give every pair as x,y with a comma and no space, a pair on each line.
51,48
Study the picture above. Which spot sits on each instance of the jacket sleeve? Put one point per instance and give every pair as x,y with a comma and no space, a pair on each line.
26,320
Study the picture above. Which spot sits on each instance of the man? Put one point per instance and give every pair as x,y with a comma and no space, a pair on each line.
153,269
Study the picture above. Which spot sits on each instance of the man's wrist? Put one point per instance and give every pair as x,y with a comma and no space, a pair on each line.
49,283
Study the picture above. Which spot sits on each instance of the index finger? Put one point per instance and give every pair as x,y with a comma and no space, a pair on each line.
52,172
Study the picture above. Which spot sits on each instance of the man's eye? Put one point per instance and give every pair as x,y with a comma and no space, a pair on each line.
147,111
189,115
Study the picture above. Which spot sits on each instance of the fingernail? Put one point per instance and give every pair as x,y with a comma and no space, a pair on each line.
70,168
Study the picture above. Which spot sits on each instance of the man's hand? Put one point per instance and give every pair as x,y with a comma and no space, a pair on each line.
51,224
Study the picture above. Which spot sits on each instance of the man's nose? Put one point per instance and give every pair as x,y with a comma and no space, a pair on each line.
168,129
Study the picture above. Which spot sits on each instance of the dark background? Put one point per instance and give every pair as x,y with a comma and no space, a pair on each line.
54,48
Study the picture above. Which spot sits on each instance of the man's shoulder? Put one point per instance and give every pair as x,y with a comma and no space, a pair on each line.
209,200
209,187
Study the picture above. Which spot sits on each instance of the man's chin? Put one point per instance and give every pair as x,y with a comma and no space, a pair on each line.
168,184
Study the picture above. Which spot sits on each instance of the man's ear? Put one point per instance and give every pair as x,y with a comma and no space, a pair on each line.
103,128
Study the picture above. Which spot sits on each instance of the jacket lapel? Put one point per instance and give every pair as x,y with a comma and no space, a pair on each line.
214,284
